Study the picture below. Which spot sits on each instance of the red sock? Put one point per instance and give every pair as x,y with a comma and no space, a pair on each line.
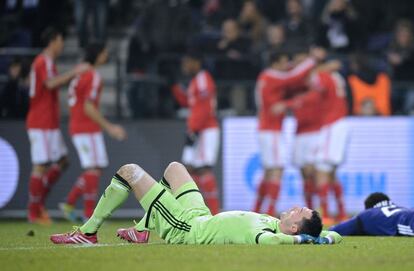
50,178
323,198
308,190
261,194
90,192
273,189
209,188
338,191
76,191
36,190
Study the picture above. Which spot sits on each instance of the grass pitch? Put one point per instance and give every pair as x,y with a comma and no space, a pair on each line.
19,251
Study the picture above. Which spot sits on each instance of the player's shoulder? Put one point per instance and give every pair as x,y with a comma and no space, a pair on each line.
90,75
40,60
271,74
204,79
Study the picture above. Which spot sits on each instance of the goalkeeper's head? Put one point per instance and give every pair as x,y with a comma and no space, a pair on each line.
301,221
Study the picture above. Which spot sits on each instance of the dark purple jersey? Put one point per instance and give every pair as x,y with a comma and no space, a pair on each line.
384,219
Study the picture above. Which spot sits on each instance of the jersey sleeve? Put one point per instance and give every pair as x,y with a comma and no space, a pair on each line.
41,72
269,238
205,103
92,85
309,97
296,76
180,95
349,227
333,236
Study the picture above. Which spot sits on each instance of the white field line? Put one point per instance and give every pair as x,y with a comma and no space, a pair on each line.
75,246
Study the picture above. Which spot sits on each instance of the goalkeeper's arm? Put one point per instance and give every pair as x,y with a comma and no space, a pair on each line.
269,238
329,238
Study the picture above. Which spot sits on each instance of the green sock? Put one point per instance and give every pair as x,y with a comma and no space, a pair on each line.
140,226
115,194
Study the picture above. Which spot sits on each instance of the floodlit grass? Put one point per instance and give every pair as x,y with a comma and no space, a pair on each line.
18,251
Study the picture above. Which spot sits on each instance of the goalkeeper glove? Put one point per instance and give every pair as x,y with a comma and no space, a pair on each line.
305,239
323,240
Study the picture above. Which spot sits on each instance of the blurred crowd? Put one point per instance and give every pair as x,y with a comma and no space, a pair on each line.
372,38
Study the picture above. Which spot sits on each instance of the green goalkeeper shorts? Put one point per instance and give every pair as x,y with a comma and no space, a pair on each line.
171,216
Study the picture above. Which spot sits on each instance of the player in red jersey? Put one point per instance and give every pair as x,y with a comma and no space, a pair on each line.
306,145
306,139
203,134
328,91
271,88
48,150
85,126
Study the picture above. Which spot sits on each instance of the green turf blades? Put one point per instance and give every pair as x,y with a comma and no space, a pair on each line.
21,252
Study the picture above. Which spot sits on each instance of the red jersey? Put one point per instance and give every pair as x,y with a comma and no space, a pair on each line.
84,87
200,98
44,103
271,88
328,95
307,116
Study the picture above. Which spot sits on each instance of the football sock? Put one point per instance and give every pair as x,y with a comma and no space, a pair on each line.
140,226
115,194
50,178
261,193
323,198
36,190
308,190
76,191
273,193
209,188
338,192
90,192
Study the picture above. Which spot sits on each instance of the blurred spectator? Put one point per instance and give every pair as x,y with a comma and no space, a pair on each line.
84,9
401,58
234,63
216,11
298,29
142,96
14,97
232,44
339,29
275,42
401,51
253,23
273,10
167,26
370,88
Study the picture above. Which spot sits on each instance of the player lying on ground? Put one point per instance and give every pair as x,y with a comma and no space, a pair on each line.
181,217
381,217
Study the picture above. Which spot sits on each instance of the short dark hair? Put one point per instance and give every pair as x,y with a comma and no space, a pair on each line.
374,199
311,226
194,54
50,34
92,51
275,56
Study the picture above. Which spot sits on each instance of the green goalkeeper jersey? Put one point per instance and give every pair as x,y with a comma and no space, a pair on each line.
241,227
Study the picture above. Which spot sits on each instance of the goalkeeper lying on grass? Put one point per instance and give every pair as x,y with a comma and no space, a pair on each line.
180,216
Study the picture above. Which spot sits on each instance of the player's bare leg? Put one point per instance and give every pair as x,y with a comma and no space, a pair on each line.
308,176
269,188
